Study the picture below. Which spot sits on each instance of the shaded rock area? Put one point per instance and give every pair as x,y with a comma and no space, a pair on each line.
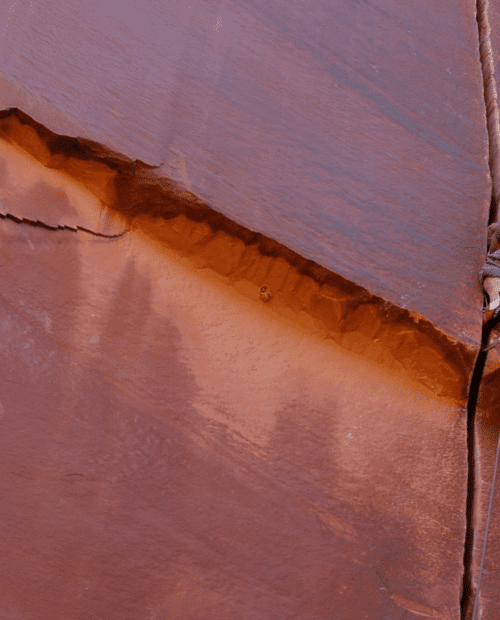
172,446
352,133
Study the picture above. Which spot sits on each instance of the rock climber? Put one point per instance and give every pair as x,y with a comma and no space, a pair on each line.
490,273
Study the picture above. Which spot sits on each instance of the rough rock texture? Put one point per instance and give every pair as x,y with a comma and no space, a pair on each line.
487,424
353,133
340,310
172,446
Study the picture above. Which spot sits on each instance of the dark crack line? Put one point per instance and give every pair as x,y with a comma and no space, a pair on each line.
38,224
470,594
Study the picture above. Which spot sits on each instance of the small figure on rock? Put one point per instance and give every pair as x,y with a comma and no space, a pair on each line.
265,293
489,274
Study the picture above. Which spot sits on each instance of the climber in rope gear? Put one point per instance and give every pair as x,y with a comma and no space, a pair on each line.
489,275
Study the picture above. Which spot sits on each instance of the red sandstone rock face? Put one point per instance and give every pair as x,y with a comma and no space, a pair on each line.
170,450
353,133
488,603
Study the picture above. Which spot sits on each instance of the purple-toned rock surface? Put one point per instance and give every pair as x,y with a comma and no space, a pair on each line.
351,131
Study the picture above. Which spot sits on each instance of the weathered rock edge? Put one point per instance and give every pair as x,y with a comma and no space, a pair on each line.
328,303
491,101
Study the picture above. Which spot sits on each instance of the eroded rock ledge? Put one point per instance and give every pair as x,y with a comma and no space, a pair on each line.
301,289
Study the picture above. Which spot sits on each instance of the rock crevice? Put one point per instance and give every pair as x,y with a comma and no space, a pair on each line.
491,102
471,579
38,224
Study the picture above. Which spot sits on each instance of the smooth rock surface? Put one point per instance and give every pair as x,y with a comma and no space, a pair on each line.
171,449
353,132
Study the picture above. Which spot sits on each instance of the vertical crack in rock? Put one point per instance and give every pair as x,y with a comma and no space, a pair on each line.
469,591
491,102
471,585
